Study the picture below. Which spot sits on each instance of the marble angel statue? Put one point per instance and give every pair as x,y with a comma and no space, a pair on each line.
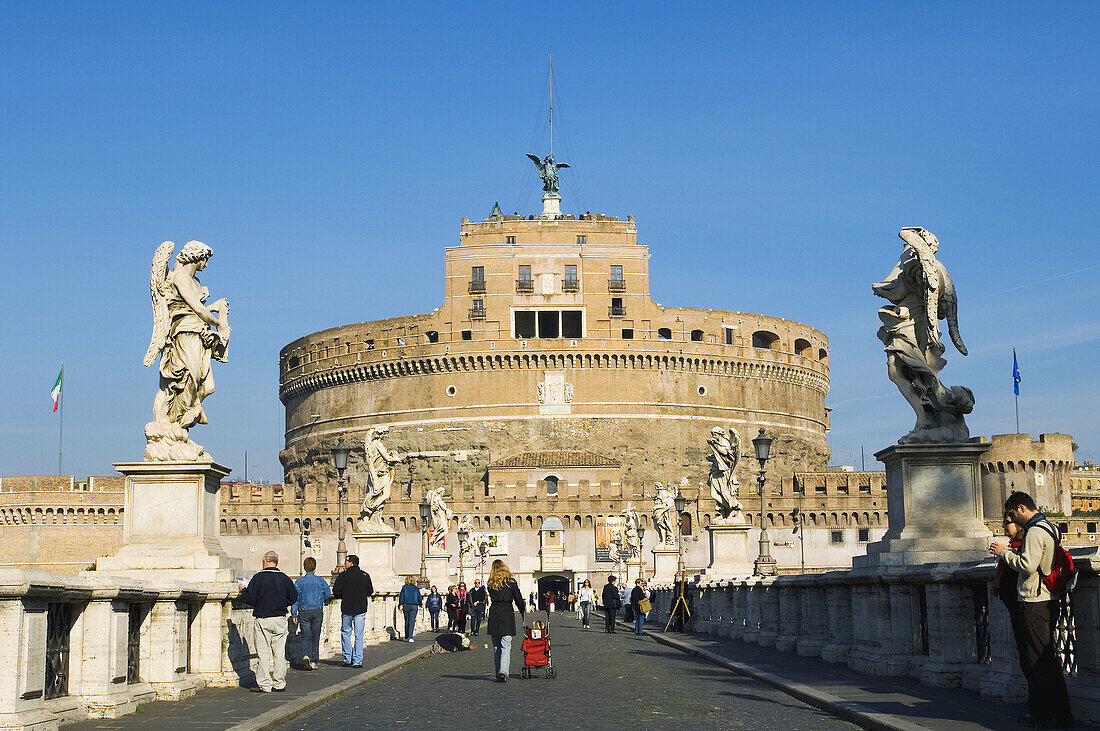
663,507
725,450
187,334
441,518
380,476
921,293
631,521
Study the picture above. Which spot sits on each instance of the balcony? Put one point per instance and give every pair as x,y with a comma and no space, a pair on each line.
525,286
570,285
616,311
477,313
477,287
616,285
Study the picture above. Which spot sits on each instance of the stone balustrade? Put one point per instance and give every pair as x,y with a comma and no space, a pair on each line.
97,646
939,623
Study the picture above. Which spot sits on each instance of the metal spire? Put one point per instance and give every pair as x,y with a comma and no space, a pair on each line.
551,56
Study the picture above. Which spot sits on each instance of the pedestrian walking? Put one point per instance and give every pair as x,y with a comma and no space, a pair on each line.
408,601
308,613
353,588
504,593
1047,698
450,603
434,604
476,601
637,596
588,598
270,594
461,593
551,600
611,603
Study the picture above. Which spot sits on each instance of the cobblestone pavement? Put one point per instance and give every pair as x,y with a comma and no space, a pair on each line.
603,681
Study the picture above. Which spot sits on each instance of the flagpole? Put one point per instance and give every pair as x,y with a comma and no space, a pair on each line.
60,417
1016,389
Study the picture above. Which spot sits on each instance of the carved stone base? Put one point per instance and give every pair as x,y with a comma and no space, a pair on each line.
551,205
729,551
438,568
934,499
170,524
375,552
664,563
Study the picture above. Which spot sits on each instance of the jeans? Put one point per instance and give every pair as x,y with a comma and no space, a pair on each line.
639,620
309,631
410,621
1047,698
271,662
475,617
434,614
586,613
502,653
351,637
609,619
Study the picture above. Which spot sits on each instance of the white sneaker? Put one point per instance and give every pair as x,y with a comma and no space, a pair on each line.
410,639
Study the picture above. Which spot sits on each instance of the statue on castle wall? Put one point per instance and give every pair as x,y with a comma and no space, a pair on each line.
441,518
725,451
187,335
548,171
921,293
631,521
380,474
663,506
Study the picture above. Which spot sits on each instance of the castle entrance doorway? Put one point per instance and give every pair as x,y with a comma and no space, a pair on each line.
555,585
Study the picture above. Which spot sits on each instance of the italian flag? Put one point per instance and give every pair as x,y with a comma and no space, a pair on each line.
56,392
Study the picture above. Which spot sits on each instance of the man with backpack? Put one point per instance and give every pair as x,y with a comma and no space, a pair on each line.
1040,564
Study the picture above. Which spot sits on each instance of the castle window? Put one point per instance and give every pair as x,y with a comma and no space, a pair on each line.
823,356
551,486
524,283
864,535
616,273
525,272
836,536
1090,527
467,334
510,240
765,339
433,336
628,333
370,345
294,361
685,524
802,347
696,336
524,324
580,241
664,333
615,282
729,336
477,274
548,324
616,309
572,324
569,282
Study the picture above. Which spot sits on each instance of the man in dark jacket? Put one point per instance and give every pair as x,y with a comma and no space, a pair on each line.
270,593
476,599
611,603
353,588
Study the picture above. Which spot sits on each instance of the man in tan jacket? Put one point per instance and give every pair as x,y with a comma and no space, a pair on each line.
1047,699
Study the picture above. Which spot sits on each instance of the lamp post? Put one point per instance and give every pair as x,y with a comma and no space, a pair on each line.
463,536
681,506
340,458
641,553
425,512
765,563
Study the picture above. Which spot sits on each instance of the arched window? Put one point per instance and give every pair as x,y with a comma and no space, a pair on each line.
765,339
802,347
551,485
685,524
696,336
664,333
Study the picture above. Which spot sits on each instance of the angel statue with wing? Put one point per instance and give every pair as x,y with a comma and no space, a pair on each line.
187,333
725,450
548,171
921,293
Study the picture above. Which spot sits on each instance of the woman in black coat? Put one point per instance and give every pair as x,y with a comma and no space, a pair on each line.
504,593
450,603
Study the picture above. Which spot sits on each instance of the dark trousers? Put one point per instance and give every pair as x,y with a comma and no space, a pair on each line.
462,621
475,617
309,631
609,619
434,613
410,621
1046,686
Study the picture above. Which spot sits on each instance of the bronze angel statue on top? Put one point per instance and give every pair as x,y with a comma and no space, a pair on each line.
548,171
921,293
187,334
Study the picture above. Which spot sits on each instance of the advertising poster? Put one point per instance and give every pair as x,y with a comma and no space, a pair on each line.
609,537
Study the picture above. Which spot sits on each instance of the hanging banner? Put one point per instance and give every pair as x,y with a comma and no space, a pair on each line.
610,532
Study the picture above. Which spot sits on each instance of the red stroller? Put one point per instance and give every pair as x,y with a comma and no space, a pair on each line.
536,649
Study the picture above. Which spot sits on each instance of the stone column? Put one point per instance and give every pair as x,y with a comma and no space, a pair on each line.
165,634
790,615
753,608
1085,692
739,608
23,626
724,599
99,657
376,557
813,635
1004,682
838,610
769,612
210,643
867,618
951,641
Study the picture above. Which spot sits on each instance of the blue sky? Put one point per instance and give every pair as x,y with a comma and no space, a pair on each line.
327,151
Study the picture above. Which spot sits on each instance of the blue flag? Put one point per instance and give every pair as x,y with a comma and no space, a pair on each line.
1015,374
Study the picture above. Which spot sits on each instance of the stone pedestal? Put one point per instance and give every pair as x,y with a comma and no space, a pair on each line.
633,571
170,524
439,571
729,551
375,552
664,563
551,205
934,498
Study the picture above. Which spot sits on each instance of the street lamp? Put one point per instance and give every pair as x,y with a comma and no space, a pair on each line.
463,536
641,553
681,505
765,563
340,458
425,512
